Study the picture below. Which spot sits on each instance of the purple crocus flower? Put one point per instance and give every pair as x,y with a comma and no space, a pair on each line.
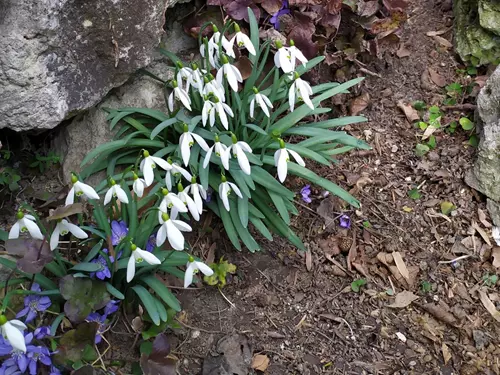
119,231
345,221
42,332
9,367
111,307
34,304
105,272
275,18
18,360
54,371
305,192
150,246
100,319
37,354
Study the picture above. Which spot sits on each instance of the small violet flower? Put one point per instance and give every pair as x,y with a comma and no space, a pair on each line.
119,231
105,272
42,332
275,18
151,244
345,221
34,304
37,354
101,321
305,192
111,307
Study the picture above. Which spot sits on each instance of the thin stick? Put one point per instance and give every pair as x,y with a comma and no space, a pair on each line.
195,328
456,259
228,301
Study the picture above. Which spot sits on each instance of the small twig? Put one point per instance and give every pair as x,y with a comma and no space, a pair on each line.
353,338
456,259
195,328
369,72
228,301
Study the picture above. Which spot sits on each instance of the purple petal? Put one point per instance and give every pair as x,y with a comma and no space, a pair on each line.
23,312
42,332
31,316
98,339
44,303
32,367
22,362
45,359
36,288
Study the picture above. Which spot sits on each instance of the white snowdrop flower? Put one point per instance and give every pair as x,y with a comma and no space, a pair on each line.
296,54
225,189
198,192
495,232
188,202
175,170
62,228
213,108
299,90
171,200
262,101
281,159
193,267
230,72
218,37
138,256
237,149
25,223
180,94
79,189
115,191
172,229
148,164
186,141
209,48
196,77
282,58
138,186
183,75
12,331
212,88
218,148
242,40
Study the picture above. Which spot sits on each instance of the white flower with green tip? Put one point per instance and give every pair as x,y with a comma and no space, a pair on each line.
196,77
138,256
218,37
171,200
213,108
242,40
198,192
79,189
282,58
192,267
171,229
262,101
12,332
218,148
299,90
115,191
296,54
25,223
186,141
183,74
62,228
237,149
174,170
230,72
148,164
180,94
281,159
225,188
188,202
212,87
138,186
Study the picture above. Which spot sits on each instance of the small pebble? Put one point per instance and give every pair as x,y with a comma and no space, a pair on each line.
401,336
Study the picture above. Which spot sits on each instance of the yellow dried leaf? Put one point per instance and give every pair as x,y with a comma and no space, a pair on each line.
481,232
490,306
403,299
260,362
398,259
407,209
446,353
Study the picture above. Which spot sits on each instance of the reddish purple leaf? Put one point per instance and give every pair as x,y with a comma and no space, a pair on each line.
271,6
238,10
368,8
395,5
302,33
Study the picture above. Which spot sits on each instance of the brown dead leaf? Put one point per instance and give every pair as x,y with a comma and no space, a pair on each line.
260,362
490,306
446,353
385,258
402,52
211,254
437,78
482,218
495,254
442,41
440,312
368,8
403,299
481,232
410,112
362,181
398,259
439,32
353,251
308,260
359,103
330,245
244,65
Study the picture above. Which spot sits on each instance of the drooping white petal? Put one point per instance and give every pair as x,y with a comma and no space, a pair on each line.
200,142
206,270
33,229
297,158
138,187
182,226
243,39
147,256
183,97
242,160
245,146
108,196
75,230
282,165
236,189
168,180
291,97
162,163
14,231
71,197
224,157
188,275
171,101
207,157
87,190
14,336
184,142
252,106
147,170
54,238
18,324
131,268
174,235
161,236
223,194
277,157
193,209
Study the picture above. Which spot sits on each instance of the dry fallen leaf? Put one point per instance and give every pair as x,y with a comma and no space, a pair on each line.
437,78
398,259
495,254
359,103
482,218
410,112
481,232
403,299
440,312
490,306
446,353
260,362
439,32
442,41
402,52
428,132
308,260
385,258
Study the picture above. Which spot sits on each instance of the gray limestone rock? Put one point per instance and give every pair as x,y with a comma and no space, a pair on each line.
61,57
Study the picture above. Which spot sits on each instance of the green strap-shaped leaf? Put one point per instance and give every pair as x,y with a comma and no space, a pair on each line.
259,225
162,291
114,292
87,267
262,177
257,129
243,233
280,206
240,181
149,303
154,113
163,125
243,211
228,225
337,122
254,33
161,311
